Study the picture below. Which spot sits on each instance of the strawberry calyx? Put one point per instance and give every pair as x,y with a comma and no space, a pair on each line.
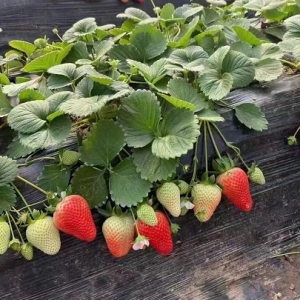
3,218
222,165
14,244
35,216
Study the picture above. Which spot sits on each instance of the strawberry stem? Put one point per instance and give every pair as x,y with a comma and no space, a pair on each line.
213,141
234,148
284,254
137,229
126,152
296,132
26,163
9,223
32,184
36,203
21,196
205,150
17,228
195,159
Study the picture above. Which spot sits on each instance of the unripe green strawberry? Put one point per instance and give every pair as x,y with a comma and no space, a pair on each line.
15,244
206,199
169,196
256,175
184,211
183,186
43,235
27,251
70,158
119,234
4,237
147,214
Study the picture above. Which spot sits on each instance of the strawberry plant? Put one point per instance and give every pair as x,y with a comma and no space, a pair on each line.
136,99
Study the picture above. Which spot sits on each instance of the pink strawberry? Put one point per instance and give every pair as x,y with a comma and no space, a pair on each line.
160,235
119,234
73,216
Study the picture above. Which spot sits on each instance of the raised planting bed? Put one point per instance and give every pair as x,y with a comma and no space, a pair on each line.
148,126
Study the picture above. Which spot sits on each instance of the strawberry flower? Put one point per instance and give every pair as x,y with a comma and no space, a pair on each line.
186,204
140,243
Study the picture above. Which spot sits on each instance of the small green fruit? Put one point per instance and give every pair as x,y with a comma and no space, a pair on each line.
70,158
292,140
41,43
256,175
15,245
27,251
183,186
147,215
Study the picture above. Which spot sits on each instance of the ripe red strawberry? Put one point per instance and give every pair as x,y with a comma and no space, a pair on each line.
73,216
160,235
235,184
207,197
119,234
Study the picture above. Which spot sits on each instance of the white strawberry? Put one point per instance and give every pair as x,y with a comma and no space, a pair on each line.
169,196
43,235
4,237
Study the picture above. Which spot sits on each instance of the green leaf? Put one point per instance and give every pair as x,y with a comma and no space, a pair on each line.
17,150
4,79
177,102
185,35
101,48
5,106
183,90
42,63
208,44
7,198
211,31
179,131
57,99
215,61
30,95
127,188
102,79
210,115
28,117
248,37
293,26
267,51
79,51
217,2
240,67
89,183
215,85
124,52
251,116
151,167
134,14
139,115
104,142
8,170
278,32
167,11
191,58
210,17
66,70
242,47
79,29
26,47
54,178
149,41
268,69
186,11
49,135
14,89
58,81
84,87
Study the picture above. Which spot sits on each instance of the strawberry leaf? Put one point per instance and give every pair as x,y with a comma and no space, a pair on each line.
103,144
178,132
139,115
25,47
8,170
251,116
149,41
134,14
30,95
268,69
7,198
54,178
17,150
151,167
5,106
248,37
89,183
127,188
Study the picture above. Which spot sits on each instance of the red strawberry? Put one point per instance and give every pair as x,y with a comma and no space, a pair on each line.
160,235
235,183
73,216
119,234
